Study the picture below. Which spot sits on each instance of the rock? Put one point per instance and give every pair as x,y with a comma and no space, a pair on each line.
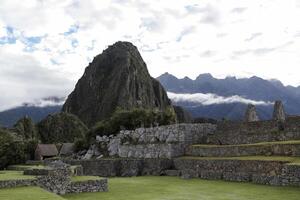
182,115
251,115
116,78
278,114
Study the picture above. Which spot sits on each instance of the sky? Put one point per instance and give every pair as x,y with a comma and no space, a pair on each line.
45,45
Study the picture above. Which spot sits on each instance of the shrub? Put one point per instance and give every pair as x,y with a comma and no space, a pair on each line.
132,119
12,149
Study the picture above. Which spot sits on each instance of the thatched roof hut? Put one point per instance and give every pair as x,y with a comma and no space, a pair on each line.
45,151
66,149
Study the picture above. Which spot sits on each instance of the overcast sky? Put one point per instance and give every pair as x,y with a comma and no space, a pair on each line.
46,44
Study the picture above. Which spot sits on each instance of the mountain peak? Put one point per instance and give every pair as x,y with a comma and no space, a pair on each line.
116,78
205,76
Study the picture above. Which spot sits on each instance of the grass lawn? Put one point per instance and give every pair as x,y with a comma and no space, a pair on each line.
252,144
84,178
289,160
174,188
27,193
13,175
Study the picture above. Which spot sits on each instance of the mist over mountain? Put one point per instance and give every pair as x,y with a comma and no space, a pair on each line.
207,96
36,110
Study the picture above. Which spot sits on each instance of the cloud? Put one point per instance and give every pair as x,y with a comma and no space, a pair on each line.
208,53
238,10
263,50
210,99
23,79
253,36
186,31
61,37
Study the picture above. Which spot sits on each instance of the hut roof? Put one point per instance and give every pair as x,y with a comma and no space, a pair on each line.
47,149
67,149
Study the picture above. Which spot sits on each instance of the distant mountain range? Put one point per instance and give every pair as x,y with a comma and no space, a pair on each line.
37,110
205,96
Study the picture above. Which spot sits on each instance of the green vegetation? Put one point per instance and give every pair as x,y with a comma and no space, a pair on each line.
129,120
24,167
13,175
132,119
290,160
27,193
26,128
174,188
84,178
61,127
12,149
253,144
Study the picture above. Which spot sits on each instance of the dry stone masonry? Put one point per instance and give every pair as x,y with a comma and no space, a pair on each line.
278,114
157,142
205,151
251,115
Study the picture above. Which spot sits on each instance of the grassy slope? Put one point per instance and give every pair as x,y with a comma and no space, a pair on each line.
253,144
174,188
27,193
13,175
84,178
290,160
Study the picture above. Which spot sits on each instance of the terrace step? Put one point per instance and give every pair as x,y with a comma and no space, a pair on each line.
273,170
280,148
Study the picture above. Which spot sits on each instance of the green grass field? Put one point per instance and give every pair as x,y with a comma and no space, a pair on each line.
174,188
290,160
252,144
84,178
13,175
27,193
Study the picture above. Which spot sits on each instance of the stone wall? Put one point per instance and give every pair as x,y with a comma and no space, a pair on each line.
88,186
254,132
244,150
261,172
157,142
123,167
17,183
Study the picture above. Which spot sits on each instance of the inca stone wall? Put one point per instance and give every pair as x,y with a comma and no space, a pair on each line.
123,166
17,183
254,132
261,172
88,186
158,142
244,150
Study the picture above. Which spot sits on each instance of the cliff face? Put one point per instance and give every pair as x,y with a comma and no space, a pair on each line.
116,78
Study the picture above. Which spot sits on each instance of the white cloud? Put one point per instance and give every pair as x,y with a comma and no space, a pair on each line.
210,99
185,38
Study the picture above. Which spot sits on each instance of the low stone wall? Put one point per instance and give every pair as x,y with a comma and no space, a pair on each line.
254,132
17,183
88,186
261,172
123,167
248,150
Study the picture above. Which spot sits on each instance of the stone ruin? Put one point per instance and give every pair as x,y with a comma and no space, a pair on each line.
251,115
207,151
58,178
279,114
